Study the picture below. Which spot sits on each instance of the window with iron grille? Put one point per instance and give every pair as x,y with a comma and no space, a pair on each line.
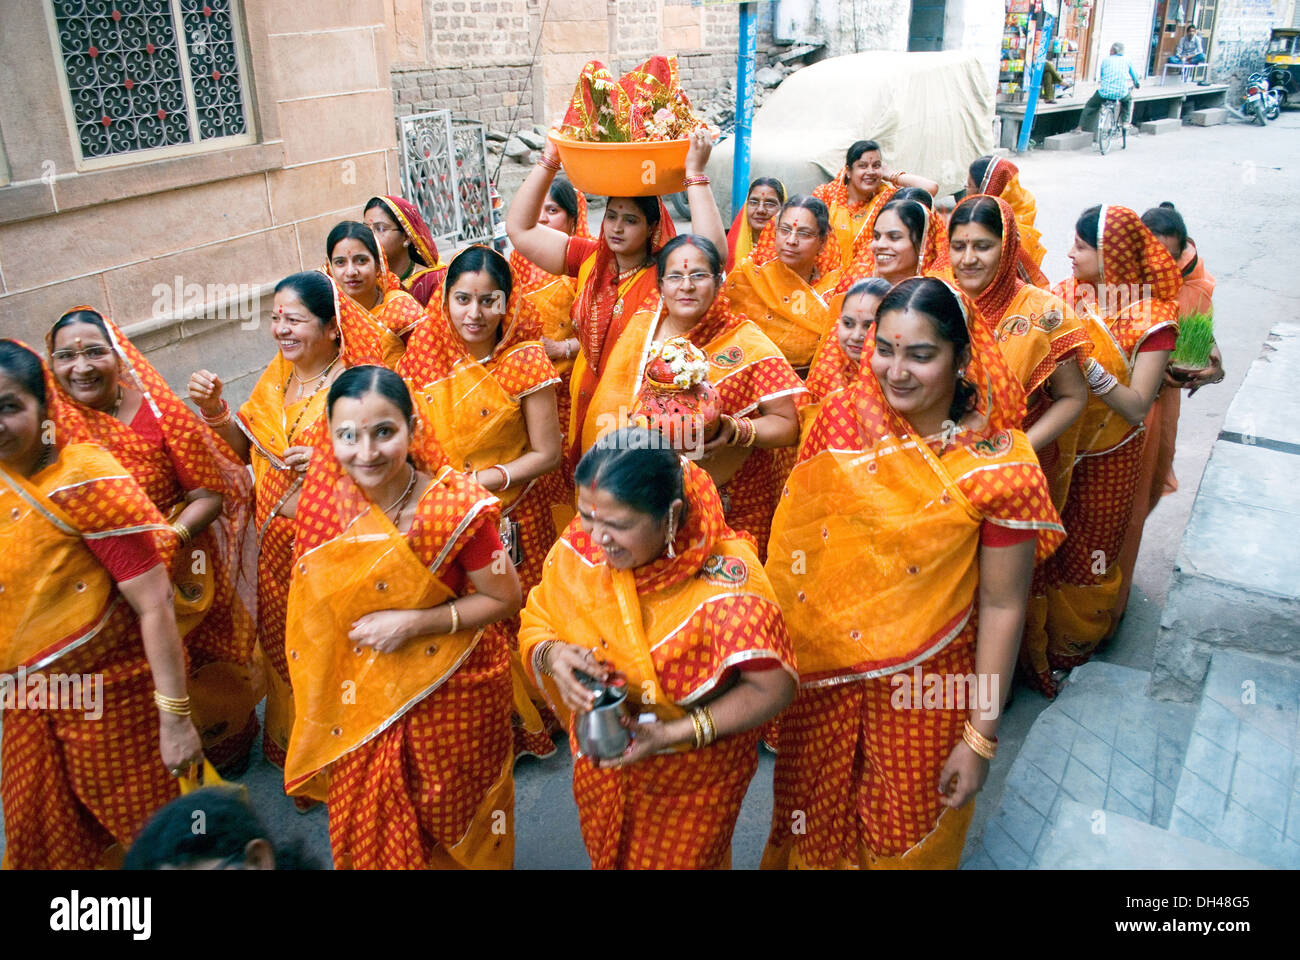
149,75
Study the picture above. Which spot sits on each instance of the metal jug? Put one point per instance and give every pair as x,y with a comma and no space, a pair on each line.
600,731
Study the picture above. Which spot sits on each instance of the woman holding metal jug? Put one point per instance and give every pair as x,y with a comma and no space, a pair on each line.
651,607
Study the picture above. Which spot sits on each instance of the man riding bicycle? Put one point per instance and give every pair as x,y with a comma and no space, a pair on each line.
1113,84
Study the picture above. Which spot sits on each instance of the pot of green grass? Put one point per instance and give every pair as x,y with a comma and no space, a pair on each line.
1195,340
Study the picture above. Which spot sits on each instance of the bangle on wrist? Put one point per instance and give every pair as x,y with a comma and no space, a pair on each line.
221,419
548,163
504,473
179,706
540,652
986,747
183,533
455,617
697,181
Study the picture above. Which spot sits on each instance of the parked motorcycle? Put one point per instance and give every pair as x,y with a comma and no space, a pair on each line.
1283,82
1259,101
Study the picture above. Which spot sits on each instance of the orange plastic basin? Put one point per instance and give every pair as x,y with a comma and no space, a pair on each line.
649,168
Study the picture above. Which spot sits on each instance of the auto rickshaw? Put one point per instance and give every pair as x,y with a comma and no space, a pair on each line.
1283,63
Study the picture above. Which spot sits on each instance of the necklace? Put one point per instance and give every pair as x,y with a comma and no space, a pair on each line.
301,380
293,375
400,502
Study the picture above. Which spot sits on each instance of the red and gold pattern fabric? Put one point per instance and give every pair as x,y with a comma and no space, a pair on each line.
416,764
397,311
170,452
869,502
1002,180
852,222
272,426
475,412
1137,298
427,267
604,304
794,314
746,369
677,628
75,778
831,370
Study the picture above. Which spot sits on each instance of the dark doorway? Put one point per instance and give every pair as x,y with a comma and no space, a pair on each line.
926,29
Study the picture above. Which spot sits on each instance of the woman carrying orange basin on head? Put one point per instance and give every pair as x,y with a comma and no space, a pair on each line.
762,204
398,597
999,177
648,581
784,285
320,332
204,490
757,388
481,378
615,273
84,559
356,261
859,190
407,245
1124,289
915,515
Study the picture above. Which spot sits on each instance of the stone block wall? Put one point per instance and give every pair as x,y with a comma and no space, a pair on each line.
1241,34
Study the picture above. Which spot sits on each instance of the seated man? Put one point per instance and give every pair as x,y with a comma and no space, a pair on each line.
1116,81
1191,49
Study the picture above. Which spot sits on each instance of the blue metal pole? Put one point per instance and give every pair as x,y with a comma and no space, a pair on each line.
1035,82
744,106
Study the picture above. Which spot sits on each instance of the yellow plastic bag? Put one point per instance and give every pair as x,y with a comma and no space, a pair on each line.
193,781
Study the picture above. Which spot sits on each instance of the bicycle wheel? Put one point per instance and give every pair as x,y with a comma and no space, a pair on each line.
1105,128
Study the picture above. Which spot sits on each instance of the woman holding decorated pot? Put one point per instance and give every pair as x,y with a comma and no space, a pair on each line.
649,589
785,284
197,482
763,202
615,273
356,261
756,386
398,597
863,185
1124,289
916,485
482,380
320,332
407,245
84,559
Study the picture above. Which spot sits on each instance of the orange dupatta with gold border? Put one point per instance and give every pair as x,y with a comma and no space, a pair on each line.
852,221
1002,180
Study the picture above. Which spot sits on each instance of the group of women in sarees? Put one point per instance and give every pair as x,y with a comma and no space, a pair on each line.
438,518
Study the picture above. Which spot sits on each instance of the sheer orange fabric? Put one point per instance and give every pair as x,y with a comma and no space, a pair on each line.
745,367
272,426
394,802
75,777
397,311
677,628
796,315
870,503
1002,179
934,260
1136,298
474,409
427,267
215,600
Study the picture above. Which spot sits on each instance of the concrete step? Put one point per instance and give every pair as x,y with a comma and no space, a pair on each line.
1163,125
1239,789
1103,744
1209,117
1236,582
1067,141
1079,837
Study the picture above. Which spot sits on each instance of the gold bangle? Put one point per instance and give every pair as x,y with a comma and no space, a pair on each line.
455,617
981,744
540,666
221,419
698,724
180,706
183,532
711,729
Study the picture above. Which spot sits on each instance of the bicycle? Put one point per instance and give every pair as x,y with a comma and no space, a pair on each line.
1108,124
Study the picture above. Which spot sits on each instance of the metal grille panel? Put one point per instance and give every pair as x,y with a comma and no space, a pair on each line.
444,173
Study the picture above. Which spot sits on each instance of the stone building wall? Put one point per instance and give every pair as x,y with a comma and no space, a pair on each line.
1241,34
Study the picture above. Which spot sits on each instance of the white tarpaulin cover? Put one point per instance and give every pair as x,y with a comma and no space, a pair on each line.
932,114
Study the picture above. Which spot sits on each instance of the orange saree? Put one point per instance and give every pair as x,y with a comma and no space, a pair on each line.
427,269
1002,179
871,504
746,369
84,773
677,628
272,426
1134,308
475,412
935,260
852,221
170,452
416,753
793,313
